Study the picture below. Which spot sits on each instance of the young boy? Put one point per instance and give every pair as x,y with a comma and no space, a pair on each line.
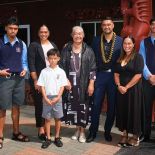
52,81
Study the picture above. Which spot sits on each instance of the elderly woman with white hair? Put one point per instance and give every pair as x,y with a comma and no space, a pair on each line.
78,61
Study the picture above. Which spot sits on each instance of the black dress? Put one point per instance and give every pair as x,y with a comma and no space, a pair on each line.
129,108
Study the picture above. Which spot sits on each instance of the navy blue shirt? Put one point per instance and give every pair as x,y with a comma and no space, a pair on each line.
96,45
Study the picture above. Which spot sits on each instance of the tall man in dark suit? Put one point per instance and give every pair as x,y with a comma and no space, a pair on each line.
37,60
107,49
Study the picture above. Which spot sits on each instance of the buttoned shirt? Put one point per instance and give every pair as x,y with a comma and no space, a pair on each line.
52,79
142,51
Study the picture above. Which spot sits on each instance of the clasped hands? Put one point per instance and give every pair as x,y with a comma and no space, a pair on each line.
122,89
52,101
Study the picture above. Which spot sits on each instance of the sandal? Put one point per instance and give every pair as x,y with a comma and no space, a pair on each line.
1,143
20,137
132,142
123,141
46,144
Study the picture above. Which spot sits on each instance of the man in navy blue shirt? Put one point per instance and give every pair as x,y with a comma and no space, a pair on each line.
147,50
13,68
107,49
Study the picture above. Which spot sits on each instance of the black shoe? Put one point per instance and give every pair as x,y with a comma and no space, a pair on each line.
90,137
58,142
107,137
42,137
46,144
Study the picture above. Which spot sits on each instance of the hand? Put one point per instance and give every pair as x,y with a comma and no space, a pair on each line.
122,89
36,87
69,86
23,73
4,72
48,101
55,100
152,79
90,89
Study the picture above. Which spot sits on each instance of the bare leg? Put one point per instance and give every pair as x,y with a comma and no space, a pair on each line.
125,133
15,119
78,129
57,127
82,130
123,139
2,121
48,128
41,130
57,140
82,137
76,134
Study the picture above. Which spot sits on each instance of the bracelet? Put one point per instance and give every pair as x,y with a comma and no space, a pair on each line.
118,85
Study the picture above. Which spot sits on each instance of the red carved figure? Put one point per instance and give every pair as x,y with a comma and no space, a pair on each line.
136,16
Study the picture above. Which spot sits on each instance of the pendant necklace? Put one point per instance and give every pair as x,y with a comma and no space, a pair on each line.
74,62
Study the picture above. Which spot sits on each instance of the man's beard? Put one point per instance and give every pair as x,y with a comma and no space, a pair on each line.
109,32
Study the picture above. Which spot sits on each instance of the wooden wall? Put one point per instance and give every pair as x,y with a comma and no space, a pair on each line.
60,15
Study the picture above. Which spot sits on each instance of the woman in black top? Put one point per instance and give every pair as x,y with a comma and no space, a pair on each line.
37,60
128,78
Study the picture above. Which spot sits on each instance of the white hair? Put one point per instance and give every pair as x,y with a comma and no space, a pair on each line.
77,28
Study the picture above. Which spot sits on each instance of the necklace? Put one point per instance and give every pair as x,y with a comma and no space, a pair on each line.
74,60
107,60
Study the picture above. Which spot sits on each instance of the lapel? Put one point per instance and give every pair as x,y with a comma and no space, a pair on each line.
40,51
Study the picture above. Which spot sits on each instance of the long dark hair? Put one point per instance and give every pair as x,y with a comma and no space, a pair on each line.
123,53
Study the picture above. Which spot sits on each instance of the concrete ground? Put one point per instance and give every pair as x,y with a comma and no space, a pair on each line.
70,147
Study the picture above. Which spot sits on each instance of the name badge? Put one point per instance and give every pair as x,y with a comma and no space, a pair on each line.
18,50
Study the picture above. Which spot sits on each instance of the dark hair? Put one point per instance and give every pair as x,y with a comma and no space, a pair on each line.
123,54
43,26
12,21
53,51
107,18
152,20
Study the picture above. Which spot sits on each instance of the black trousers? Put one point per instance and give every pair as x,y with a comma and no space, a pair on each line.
149,96
38,106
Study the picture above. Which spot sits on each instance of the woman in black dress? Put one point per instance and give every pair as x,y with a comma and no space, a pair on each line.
128,78
78,61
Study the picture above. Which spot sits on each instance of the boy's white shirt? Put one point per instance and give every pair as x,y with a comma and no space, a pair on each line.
52,80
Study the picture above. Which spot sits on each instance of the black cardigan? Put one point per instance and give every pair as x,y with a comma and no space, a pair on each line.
88,64
36,58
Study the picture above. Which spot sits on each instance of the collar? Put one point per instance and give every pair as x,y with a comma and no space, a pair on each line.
69,46
105,41
6,40
53,68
